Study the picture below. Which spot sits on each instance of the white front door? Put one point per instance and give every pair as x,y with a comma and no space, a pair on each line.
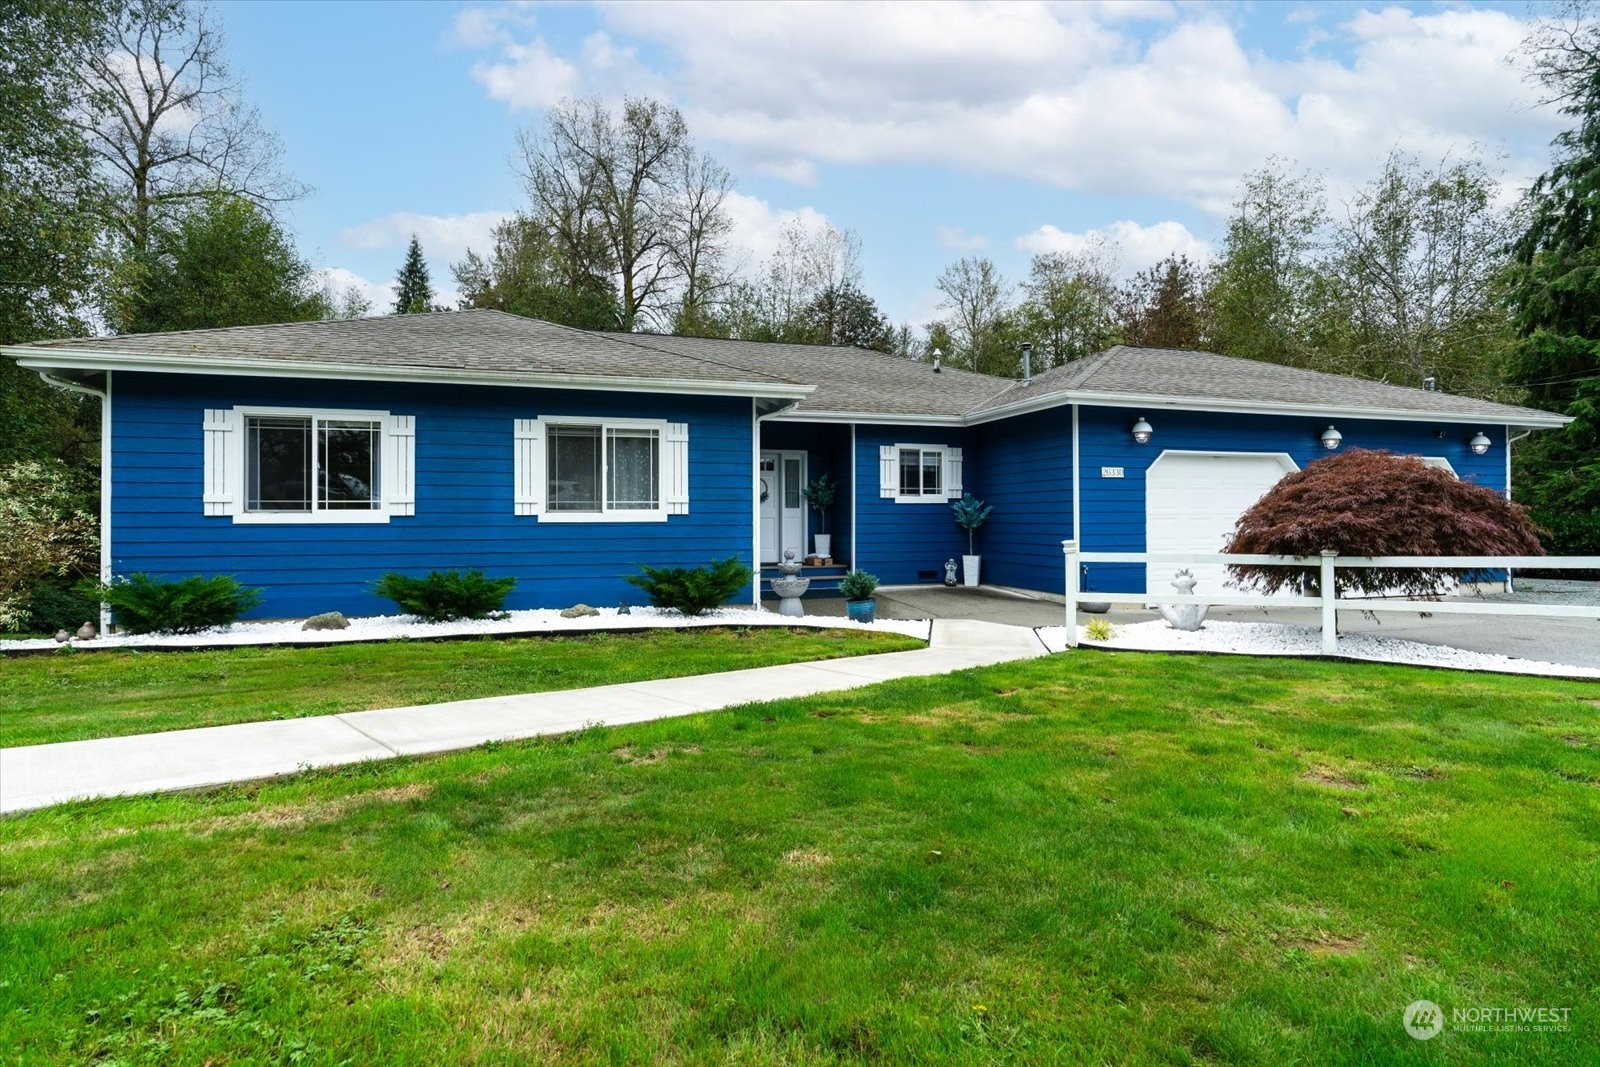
783,508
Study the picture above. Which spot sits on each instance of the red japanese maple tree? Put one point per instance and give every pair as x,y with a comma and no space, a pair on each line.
1373,503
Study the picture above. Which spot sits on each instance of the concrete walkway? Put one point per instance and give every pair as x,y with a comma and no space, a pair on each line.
37,776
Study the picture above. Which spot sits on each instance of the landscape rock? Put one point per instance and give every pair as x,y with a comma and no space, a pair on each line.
87,632
62,635
328,620
578,611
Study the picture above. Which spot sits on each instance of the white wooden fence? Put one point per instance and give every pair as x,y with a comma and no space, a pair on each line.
1328,563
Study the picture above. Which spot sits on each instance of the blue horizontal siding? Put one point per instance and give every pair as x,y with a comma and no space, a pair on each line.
1112,510
1024,467
464,515
897,541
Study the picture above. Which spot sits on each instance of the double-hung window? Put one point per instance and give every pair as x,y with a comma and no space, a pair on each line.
919,474
573,469
295,465
921,471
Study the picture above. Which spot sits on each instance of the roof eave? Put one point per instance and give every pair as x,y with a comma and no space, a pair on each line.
1531,420
38,359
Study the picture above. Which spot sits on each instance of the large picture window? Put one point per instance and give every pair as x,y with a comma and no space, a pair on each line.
602,468
307,464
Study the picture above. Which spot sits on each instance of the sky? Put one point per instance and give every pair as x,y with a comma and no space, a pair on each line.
934,131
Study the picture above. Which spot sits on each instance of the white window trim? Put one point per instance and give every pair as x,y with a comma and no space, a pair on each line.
656,514
943,496
236,461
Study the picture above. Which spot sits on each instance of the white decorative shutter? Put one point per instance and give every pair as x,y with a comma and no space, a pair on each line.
676,496
952,473
399,474
888,471
528,466
224,476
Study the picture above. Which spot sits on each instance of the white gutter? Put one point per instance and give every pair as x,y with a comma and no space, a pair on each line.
105,479
68,359
1257,407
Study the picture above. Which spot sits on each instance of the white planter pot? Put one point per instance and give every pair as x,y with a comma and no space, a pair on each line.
824,544
969,569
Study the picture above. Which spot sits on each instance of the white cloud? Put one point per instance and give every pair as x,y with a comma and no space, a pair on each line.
960,240
1122,99
444,238
1137,246
758,228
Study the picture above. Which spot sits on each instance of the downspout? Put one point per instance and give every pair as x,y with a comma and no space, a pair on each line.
1510,440
105,478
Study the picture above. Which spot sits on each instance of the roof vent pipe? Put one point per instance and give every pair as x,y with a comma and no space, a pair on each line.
938,359
1027,362
1431,384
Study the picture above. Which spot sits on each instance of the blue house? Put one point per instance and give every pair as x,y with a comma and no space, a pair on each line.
310,458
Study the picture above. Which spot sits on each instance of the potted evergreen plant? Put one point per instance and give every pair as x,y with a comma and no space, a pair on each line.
820,493
858,587
970,513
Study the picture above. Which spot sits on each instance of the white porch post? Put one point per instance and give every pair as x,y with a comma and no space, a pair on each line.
1330,616
1069,553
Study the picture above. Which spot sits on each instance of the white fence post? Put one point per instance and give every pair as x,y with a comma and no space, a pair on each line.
1330,611
1069,552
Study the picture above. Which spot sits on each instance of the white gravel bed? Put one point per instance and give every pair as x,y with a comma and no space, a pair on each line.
544,621
1275,639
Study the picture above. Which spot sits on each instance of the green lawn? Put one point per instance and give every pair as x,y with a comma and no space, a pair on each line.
69,696
1088,858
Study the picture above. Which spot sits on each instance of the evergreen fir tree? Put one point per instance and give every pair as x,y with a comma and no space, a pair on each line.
414,294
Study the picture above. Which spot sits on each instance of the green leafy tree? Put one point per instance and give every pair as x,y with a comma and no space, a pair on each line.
1069,306
413,291
524,275
53,257
844,315
1164,306
977,299
1262,288
1555,292
1418,271
222,262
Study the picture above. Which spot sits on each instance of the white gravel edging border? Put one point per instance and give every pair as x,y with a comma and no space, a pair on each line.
530,623
1275,639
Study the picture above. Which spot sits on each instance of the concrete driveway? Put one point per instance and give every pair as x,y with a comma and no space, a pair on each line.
1571,641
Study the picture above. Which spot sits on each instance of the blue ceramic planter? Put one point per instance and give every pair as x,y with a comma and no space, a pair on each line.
861,610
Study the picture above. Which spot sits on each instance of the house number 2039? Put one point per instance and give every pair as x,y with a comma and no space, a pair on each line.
1110,472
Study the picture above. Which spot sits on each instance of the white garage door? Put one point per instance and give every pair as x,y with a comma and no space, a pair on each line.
1192,500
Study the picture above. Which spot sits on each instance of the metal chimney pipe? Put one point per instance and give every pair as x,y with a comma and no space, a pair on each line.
1027,362
938,360
1430,383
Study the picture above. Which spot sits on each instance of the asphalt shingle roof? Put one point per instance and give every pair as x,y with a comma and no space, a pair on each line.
468,341
845,381
1173,374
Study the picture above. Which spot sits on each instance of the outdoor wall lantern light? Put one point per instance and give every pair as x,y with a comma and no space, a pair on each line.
1480,443
1142,432
1331,438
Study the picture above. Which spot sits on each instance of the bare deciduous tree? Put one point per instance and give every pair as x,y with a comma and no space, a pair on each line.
977,297
627,197
168,121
